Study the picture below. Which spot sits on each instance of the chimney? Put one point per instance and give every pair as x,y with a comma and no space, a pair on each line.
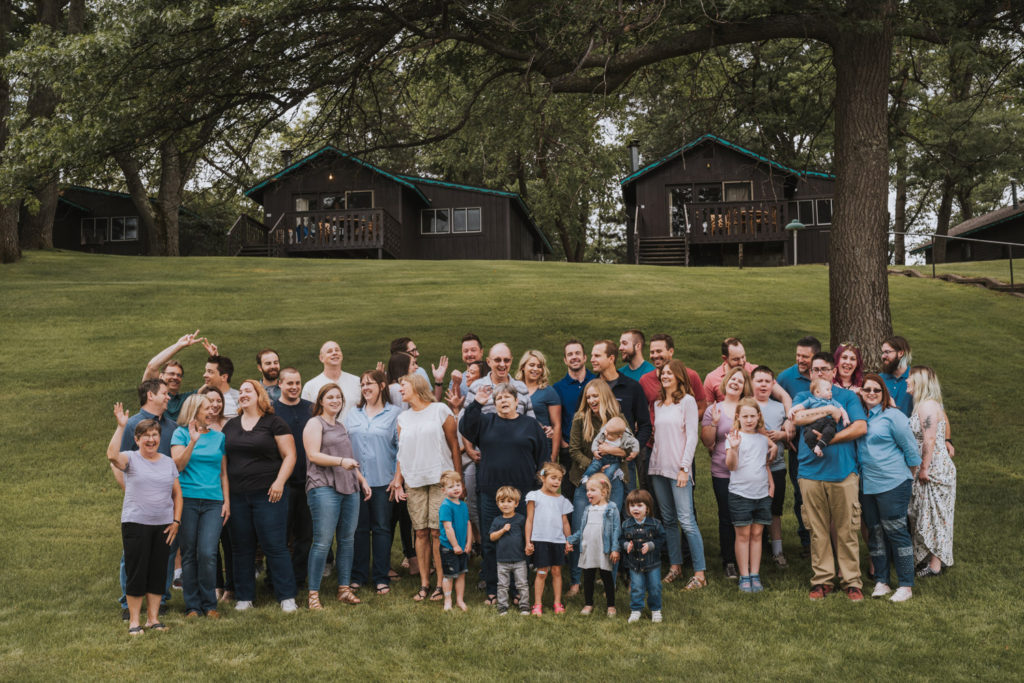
286,157
634,156
1013,191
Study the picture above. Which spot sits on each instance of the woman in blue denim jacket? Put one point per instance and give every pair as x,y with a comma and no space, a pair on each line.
598,538
642,540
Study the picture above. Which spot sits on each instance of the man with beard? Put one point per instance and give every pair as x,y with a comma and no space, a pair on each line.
268,362
735,356
632,403
472,351
896,360
631,350
663,350
296,411
163,366
569,390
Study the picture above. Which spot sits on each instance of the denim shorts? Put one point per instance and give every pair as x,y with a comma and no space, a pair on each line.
548,554
452,565
747,511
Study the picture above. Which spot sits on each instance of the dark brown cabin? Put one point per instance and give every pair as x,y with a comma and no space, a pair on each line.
332,204
714,203
1002,225
97,221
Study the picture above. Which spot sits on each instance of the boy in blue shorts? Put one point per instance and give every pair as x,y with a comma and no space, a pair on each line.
456,540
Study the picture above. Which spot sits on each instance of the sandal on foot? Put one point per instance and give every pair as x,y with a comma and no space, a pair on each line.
491,600
157,626
346,596
695,583
382,589
437,594
421,594
559,608
313,601
135,630
672,575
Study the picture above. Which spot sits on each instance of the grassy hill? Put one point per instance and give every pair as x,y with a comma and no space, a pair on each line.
77,331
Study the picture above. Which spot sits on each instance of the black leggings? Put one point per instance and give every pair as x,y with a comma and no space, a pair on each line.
145,558
588,586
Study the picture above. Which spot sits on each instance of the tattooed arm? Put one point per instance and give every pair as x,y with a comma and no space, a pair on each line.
929,414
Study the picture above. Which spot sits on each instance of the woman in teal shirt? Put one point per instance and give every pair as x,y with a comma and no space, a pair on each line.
887,456
198,452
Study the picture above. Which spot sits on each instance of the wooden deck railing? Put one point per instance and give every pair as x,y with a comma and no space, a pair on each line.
736,221
246,232
357,229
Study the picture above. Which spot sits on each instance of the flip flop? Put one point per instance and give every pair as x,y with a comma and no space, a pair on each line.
491,600
157,626
382,589
135,631
438,594
421,594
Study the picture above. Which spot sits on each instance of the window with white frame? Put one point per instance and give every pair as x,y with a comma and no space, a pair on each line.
823,209
124,229
94,230
802,210
741,191
435,221
466,220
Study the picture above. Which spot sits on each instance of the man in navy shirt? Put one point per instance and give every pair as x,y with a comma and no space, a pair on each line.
796,379
296,411
632,403
569,390
830,485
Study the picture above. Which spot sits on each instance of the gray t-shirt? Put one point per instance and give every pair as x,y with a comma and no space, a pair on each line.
148,490
511,547
774,415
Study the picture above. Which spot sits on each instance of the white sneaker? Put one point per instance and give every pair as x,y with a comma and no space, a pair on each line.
881,590
243,605
656,616
633,617
902,594
289,605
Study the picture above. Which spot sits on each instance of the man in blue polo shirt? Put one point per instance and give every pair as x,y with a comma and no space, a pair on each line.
569,390
896,361
796,379
830,485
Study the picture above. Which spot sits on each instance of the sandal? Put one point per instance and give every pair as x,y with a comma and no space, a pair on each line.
314,600
157,626
382,589
135,630
355,586
392,574
421,594
346,596
672,575
695,583
491,600
437,594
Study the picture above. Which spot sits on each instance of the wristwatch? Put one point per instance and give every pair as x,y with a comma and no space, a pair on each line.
684,468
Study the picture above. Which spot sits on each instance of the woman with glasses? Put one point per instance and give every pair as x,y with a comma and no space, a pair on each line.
889,457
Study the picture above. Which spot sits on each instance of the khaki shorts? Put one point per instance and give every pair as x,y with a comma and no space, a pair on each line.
424,505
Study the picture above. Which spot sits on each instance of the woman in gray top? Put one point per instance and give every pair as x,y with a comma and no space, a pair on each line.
333,485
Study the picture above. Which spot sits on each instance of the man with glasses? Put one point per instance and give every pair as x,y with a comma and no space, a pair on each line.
407,345
499,360
796,379
896,360
162,366
830,485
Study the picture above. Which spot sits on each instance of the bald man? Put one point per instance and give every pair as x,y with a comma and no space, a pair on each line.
499,360
332,357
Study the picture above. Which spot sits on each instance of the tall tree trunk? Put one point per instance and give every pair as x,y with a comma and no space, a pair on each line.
900,210
858,252
942,218
155,240
9,249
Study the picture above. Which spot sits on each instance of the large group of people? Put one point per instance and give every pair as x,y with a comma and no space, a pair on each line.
593,474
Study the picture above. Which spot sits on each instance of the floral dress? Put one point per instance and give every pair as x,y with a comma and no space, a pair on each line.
931,502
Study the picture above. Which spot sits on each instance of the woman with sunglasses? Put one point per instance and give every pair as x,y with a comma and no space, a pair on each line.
889,459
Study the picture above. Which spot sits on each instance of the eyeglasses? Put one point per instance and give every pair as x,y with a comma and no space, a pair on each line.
502,361
821,371
869,390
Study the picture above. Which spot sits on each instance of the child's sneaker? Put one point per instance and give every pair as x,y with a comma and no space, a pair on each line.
524,610
902,594
656,616
633,617
502,611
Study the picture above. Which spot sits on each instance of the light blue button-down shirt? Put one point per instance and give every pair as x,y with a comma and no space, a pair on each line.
375,442
887,452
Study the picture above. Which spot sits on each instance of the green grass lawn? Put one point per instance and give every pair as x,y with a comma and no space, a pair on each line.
77,331
997,270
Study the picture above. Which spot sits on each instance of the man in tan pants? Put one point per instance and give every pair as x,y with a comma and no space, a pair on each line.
829,486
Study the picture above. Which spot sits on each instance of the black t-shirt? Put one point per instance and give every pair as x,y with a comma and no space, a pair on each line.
253,458
511,547
296,416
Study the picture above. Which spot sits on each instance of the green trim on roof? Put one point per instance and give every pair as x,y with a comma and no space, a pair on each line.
93,190
985,226
73,205
484,190
330,148
725,143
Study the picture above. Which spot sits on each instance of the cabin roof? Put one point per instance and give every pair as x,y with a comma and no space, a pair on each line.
108,193
256,191
977,224
708,138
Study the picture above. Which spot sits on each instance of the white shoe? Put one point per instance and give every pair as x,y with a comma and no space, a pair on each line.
289,605
243,605
328,570
881,590
902,594
633,617
656,616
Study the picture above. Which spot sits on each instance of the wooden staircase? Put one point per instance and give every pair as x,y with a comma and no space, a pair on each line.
663,251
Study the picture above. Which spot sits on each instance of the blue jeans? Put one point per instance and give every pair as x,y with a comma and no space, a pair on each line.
579,504
375,521
677,506
122,576
648,582
488,548
798,500
334,514
200,534
885,515
253,518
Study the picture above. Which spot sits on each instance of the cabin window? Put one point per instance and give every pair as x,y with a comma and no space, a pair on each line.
803,211
124,229
331,202
824,209
435,221
738,191
708,193
679,197
360,199
305,203
466,220
94,230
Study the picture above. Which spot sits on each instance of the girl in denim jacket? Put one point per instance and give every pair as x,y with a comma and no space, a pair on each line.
598,538
642,540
